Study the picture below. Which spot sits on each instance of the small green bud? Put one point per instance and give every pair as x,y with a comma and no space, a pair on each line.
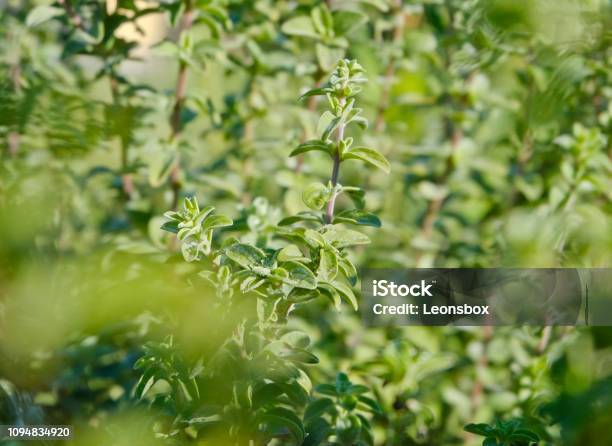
316,195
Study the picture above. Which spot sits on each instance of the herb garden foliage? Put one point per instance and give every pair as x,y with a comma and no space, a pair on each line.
181,235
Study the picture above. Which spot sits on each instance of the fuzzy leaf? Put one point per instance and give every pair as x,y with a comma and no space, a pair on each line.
246,256
346,293
291,252
315,195
342,237
370,156
328,265
299,276
216,221
333,295
349,270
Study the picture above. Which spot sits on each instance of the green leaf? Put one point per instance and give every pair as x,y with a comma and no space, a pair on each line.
346,21
304,382
328,265
333,295
371,404
342,237
300,26
357,196
291,252
216,221
314,92
322,20
326,389
279,417
201,422
331,127
342,382
301,216
145,383
490,442
299,276
314,238
370,156
296,339
301,356
41,14
266,394
344,291
246,256
317,408
318,430
524,435
295,393
266,309
357,389
300,295
479,429
219,14
311,145
357,217
170,226
349,270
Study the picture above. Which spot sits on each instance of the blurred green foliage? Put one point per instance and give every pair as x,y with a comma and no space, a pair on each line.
495,118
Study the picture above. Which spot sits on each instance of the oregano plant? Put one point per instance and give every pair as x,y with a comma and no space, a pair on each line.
310,262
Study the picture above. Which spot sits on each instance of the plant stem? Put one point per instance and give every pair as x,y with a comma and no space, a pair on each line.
329,215
179,99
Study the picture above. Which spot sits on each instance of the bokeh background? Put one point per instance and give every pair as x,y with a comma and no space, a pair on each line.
496,117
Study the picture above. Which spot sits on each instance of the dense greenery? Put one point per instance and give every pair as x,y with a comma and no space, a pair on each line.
189,188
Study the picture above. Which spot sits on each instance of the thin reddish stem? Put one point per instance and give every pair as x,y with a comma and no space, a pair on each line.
329,214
